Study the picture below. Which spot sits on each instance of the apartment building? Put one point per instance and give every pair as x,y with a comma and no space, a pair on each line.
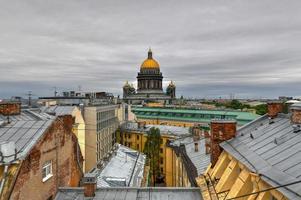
101,125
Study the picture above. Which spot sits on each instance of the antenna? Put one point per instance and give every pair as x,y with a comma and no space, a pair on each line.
29,98
55,91
29,94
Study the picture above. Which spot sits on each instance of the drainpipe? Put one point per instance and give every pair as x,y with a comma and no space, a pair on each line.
3,180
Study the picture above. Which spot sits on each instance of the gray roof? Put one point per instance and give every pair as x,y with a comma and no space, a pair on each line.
124,168
200,159
164,129
271,150
23,131
123,193
59,110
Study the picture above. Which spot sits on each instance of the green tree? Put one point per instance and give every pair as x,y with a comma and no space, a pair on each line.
235,104
261,109
152,151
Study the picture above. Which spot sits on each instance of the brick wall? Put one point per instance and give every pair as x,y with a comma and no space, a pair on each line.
220,131
59,145
274,107
296,115
10,108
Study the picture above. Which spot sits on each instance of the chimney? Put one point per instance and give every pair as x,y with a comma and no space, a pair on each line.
296,114
274,107
10,108
196,146
89,182
221,130
141,125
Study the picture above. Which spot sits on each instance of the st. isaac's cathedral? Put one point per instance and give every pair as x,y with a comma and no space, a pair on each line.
149,87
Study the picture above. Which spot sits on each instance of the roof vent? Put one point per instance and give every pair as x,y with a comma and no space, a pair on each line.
271,121
296,128
2,124
8,151
280,140
51,113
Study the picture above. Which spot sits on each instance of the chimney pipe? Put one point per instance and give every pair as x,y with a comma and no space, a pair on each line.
274,107
196,146
296,114
89,182
221,130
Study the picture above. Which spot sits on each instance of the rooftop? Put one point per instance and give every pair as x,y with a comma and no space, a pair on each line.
194,115
123,193
164,129
125,167
58,110
24,131
199,159
271,150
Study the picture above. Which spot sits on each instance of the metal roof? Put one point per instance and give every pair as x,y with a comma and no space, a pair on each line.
271,150
199,158
59,110
164,129
24,130
239,114
123,193
124,168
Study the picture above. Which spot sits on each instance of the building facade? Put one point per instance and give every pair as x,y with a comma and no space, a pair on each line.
186,159
78,126
101,125
101,115
39,154
149,85
134,135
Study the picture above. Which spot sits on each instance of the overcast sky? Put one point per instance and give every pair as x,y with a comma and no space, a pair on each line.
209,48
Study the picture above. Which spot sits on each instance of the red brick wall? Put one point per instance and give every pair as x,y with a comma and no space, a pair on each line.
296,116
59,145
89,190
10,108
274,108
220,131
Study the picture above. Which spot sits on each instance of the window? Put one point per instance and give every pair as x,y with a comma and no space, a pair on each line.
47,171
161,150
138,147
161,160
137,137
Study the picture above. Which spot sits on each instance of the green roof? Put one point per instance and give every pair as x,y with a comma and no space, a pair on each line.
192,114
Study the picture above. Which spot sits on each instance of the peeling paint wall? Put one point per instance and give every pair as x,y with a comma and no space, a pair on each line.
58,145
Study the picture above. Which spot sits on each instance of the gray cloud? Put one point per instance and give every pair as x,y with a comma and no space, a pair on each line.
209,48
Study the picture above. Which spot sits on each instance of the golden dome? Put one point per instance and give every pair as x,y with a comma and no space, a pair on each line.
150,63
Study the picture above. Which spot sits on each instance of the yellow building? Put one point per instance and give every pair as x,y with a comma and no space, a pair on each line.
262,162
183,157
134,135
186,159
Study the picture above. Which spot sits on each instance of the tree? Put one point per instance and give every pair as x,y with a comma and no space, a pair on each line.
235,104
261,109
152,151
